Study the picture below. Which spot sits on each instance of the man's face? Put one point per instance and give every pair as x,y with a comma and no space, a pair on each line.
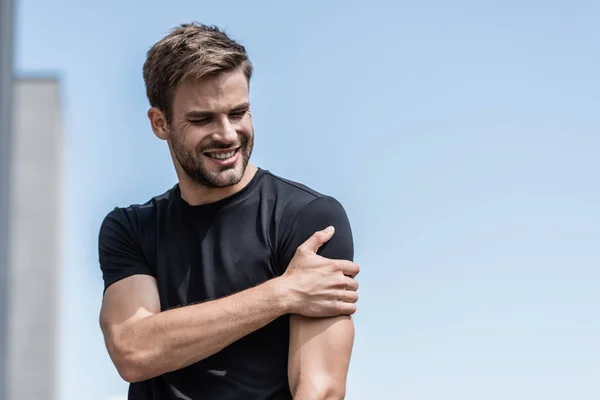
211,134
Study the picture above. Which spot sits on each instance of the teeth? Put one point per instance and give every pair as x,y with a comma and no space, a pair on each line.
221,156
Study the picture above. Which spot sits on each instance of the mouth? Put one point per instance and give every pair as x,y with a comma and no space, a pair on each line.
223,157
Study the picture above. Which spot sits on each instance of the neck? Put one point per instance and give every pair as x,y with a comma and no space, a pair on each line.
196,195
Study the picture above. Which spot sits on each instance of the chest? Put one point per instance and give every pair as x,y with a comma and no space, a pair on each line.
200,260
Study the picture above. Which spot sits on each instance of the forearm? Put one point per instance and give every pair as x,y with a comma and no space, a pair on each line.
173,339
320,350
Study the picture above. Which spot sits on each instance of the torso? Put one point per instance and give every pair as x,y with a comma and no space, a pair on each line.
202,253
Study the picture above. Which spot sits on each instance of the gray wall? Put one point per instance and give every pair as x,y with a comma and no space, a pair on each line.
35,232
6,64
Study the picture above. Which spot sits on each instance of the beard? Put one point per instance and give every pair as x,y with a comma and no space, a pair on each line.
194,163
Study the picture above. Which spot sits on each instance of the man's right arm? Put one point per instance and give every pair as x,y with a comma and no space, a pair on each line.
144,342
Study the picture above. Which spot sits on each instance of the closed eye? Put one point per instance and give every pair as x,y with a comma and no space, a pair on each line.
202,121
237,114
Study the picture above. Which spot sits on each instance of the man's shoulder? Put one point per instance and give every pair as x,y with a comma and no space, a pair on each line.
291,186
294,200
301,211
291,195
139,215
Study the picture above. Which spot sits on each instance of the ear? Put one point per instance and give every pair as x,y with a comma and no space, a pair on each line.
158,123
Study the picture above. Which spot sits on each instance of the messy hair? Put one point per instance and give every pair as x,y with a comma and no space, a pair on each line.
190,52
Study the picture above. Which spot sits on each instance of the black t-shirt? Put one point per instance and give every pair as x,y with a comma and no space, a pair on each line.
200,253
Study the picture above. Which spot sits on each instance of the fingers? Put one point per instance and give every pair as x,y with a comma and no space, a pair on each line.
351,284
348,296
318,239
349,268
346,308
346,303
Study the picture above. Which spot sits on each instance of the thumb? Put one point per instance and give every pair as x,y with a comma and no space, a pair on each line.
318,239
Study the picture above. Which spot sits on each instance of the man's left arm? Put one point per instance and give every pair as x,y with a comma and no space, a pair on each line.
320,348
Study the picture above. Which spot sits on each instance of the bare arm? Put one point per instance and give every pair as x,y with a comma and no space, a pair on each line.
320,350
144,342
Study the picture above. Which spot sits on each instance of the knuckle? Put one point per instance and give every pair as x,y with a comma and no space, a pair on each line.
340,307
336,265
320,235
301,250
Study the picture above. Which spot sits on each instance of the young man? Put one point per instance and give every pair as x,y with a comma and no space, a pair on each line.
229,285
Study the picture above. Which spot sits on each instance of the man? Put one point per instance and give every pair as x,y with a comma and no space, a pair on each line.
229,285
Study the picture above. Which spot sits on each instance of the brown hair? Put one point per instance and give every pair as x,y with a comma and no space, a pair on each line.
189,52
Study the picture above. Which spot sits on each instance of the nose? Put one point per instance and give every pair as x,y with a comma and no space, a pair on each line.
226,133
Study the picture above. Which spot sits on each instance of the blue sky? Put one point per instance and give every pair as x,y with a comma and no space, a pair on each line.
463,140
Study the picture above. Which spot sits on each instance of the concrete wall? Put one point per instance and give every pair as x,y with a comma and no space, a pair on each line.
35,240
6,70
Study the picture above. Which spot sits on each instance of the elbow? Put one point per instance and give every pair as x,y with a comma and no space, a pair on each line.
130,374
128,366
333,392
130,362
325,390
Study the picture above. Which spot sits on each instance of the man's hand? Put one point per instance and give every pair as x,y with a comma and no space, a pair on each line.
317,286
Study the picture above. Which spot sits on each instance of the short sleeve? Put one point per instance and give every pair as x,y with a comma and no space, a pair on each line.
120,254
317,215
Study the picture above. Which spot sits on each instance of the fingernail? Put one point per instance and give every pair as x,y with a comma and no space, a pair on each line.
330,229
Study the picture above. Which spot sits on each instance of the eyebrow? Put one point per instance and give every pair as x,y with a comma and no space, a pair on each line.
206,114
